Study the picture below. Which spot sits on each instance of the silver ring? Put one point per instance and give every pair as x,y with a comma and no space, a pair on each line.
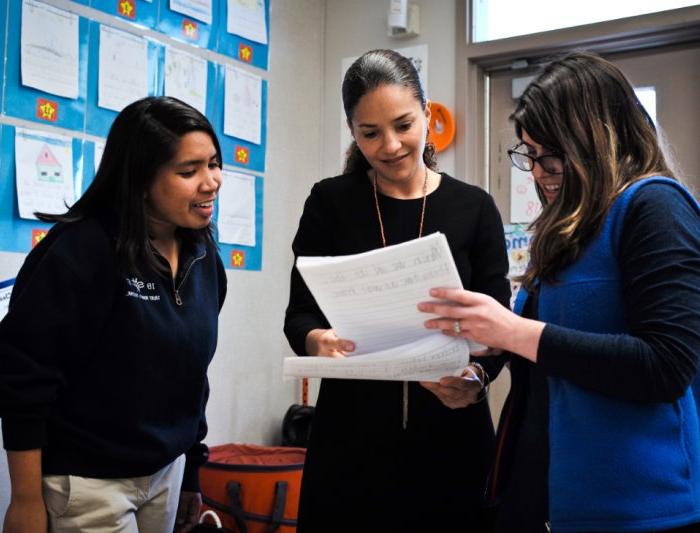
457,327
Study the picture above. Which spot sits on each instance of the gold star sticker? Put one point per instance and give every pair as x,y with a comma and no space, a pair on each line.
126,8
237,259
246,53
190,29
47,110
242,155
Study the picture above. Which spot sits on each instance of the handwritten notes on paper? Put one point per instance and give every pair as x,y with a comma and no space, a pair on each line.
198,9
186,78
371,299
44,172
123,72
247,19
49,49
242,104
427,359
236,217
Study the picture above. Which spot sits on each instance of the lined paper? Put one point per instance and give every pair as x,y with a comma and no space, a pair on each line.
371,299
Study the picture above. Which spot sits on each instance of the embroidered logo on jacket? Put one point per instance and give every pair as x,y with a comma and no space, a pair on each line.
141,289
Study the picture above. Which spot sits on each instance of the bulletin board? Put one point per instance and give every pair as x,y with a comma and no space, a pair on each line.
211,53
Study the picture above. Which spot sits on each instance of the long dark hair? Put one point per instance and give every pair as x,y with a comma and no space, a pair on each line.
369,71
583,107
144,136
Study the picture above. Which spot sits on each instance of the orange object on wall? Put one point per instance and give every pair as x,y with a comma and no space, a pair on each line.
442,126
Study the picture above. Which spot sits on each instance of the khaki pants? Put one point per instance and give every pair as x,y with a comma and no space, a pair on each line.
145,504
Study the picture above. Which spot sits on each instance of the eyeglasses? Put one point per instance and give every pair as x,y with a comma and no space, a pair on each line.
550,163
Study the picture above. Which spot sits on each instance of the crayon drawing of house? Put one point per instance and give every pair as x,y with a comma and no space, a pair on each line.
47,166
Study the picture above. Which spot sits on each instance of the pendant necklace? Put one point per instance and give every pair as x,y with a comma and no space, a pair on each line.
404,418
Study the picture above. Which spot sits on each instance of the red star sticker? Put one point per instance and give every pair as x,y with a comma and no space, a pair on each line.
46,110
190,29
37,236
238,258
241,155
126,8
245,53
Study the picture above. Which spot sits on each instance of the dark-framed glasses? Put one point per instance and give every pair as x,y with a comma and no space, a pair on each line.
550,163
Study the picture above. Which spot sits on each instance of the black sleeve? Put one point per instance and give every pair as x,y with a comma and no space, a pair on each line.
313,238
660,270
489,260
61,297
198,454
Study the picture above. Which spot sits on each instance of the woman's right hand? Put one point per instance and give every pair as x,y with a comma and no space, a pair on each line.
326,343
26,515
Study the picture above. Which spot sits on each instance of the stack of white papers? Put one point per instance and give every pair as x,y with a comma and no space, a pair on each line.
370,299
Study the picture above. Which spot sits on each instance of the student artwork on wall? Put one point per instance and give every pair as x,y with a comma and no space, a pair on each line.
46,65
525,205
240,117
50,169
245,33
517,247
123,67
71,70
240,228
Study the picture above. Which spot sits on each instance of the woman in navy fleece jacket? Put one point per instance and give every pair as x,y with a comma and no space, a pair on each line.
600,432
111,328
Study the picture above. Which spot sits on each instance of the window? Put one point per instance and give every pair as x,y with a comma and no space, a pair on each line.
499,19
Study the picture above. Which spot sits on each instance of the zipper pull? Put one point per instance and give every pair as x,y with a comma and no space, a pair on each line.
404,414
178,301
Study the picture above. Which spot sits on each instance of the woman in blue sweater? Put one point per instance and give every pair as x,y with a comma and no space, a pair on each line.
600,431
111,327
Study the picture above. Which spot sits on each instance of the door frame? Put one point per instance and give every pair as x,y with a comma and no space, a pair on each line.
475,62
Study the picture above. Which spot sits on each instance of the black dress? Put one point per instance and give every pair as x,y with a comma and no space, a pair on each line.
364,472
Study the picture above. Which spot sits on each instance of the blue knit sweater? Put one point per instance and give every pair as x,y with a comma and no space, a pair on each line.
615,465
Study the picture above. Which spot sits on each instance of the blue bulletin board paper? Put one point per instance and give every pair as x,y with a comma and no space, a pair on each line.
244,50
238,257
139,12
35,105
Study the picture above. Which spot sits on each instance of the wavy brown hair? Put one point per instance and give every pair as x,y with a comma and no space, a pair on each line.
371,70
583,107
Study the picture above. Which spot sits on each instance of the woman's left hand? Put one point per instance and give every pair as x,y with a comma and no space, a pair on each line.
479,317
455,392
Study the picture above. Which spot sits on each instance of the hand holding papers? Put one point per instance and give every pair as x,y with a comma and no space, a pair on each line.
371,299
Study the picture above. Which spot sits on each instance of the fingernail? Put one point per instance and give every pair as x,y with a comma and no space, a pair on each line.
348,346
433,292
421,307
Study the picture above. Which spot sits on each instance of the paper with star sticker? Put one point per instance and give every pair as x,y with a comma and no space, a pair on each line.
49,49
44,172
198,9
242,104
247,19
123,70
236,218
186,78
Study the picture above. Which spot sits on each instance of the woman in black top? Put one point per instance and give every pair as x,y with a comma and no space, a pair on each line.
389,456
